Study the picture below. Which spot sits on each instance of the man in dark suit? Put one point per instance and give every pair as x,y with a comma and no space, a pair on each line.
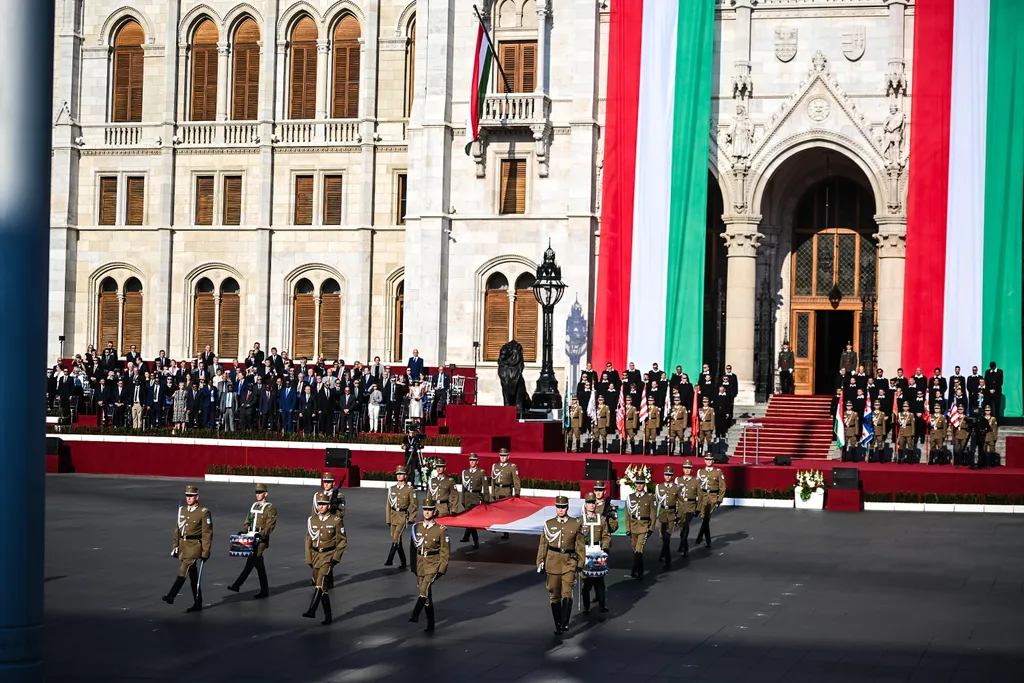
205,358
973,380
937,383
258,355
122,401
632,376
157,399
162,361
349,407
723,406
953,380
287,401
250,397
393,397
442,385
613,375
276,361
994,383
732,382
902,383
307,409
325,404
64,389
268,407
101,398
133,356
591,374
415,365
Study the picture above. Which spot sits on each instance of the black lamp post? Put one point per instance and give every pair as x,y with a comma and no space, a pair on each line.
548,288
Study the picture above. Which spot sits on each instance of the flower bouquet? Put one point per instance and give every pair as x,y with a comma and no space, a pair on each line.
627,483
809,482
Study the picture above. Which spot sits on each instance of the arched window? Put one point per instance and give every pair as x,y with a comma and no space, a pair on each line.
330,319
410,68
495,316
204,72
525,322
131,329
346,69
399,316
245,93
128,73
204,317
109,313
303,72
227,326
303,320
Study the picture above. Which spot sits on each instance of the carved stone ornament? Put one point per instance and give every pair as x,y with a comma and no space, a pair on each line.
478,148
785,43
892,146
743,243
895,79
818,109
854,39
892,244
742,84
542,135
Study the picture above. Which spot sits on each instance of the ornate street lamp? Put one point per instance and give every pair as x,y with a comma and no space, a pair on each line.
575,340
548,288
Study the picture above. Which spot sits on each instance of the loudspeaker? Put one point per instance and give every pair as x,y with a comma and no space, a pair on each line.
846,478
53,445
337,458
783,460
598,469
721,458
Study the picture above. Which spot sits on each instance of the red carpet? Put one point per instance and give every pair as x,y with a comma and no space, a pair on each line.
794,426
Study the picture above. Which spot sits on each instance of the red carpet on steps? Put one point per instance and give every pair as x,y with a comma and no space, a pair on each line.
794,426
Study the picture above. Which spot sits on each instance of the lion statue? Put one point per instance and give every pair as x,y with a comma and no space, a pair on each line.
510,372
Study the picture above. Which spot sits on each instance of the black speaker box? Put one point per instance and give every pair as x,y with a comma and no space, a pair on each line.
337,458
846,478
721,458
783,460
598,469
53,445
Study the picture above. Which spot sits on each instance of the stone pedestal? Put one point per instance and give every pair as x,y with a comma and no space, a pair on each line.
892,250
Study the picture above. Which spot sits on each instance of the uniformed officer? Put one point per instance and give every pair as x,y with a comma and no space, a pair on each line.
399,511
597,533
432,552
712,483
474,484
604,508
687,501
666,495
575,440
336,506
848,360
786,363
193,539
850,432
677,429
443,489
880,421
504,480
325,542
961,435
937,438
561,553
991,436
630,423
705,425
260,521
905,435
601,425
639,515
651,427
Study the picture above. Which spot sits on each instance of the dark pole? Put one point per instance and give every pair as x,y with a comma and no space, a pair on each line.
26,101
548,289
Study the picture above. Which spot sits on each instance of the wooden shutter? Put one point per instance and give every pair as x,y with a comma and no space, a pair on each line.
229,308
108,201
526,75
304,200
233,200
303,72
332,201
519,62
526,323
346,69
109,314
132,328
396,354
204,201
128,74
135,214
509,54
245,96
330,325
204,83
304,321
205,320
495,323
513,186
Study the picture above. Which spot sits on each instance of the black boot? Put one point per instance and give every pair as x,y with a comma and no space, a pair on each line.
632,571
197,591
566,613
556,612
417,609
261,572
639,566
401,555
601,595
667,553
429,609
313,604
237,585
465,536
173,593
476,539
391,556
326,601
586,599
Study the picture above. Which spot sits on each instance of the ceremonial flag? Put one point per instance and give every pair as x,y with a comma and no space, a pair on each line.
867,430
620,413
838,426
517,515
955,415
643,405
592,404
694,422
565,411
480,79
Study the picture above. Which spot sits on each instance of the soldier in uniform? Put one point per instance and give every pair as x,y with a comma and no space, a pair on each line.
432,552
601,425
443,490
639,515
786,363
705,425
880,422
602,506
336,506
597,532
677,428
961,435
991,436
575,440
474,483
193,539
666,495
261,520
687,499
399,511
651,427
851,433
712,483
560,554
905,435
937,439
325,542
504,480
848,361
630,423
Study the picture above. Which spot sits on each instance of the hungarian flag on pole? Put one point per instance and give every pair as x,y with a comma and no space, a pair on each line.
642,410
839,426
481,76
620,413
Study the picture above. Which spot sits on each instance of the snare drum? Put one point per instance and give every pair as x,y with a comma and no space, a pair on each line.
243,545
596,565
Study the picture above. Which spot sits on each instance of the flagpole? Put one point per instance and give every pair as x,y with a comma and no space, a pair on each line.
490,46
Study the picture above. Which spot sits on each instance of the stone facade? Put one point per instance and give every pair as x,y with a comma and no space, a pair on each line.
810,76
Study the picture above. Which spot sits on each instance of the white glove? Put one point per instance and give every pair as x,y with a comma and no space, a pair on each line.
540,568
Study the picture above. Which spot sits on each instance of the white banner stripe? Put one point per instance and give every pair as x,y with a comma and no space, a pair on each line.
652,191
965,234
532,524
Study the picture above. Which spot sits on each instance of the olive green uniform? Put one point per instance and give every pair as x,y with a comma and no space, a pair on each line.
575,442
939,433
193,540
597,532
474,488
904,434
630,423
992,435
400,507
881,424
677,430
561,553
336,506
705,427
325,543
651,427
443,490
666,496
687,502
601,427
850,431
639,518
712,483
504,480
261,520
605,509
433,551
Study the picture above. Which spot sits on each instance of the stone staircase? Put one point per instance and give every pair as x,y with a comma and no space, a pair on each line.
794,426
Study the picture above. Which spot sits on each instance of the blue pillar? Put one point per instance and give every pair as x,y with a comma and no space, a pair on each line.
26,110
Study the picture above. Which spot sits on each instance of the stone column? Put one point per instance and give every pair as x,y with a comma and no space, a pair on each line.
892,253
742,84
272,60
316,327
323,47
741,239
223,79
543,25
368,49
279,81
164,190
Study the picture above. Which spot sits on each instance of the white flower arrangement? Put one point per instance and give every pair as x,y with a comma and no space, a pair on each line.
428,469
808,482
629,479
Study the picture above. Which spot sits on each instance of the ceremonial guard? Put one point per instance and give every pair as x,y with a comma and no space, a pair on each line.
193,539
677,428
603,508
687,500
881,425
337,501
474,482
432,552
504,480
399,511
604,416
630,423
989,457
260,522
651,427
848,361
961,435
574,442
705,425
597,534
712,483
560,554
639,515
325,542
786,364
937,439
905,435
666,496
443,490
850,433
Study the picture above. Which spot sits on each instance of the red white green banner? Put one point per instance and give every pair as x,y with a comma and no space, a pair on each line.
481,76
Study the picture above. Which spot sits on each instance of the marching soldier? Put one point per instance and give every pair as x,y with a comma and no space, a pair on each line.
687,501
850,432
630,423
504,480
651,427
705,425
905,435
991,436
432,553
937,439
474,482
443,490
602,507
575,441
337,503
601,425
193,539
325,542
881,424
677,427
597,532
399,511
261,520
712,483
639,510
848,360
786,363
666,495
560,554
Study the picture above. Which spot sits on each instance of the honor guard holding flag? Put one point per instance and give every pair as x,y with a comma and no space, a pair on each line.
880,422
712,483
260,522
905,435
504,480
666,495
706,425
851,433
604,418
399,511
325,542
575,438
560,554
937,439
193,539
651,427
677,428
639,517
687,501
443,490
597,534
474,484
432,552
630,423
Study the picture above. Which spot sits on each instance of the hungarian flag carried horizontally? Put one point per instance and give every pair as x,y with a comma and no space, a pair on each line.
839,427
481,76
620,413
520,515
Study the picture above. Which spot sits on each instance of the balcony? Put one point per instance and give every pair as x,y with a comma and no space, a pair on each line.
319,132
504,110
218,134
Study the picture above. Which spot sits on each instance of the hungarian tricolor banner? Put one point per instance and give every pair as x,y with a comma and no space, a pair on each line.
839,426
964,206
517,515
481,76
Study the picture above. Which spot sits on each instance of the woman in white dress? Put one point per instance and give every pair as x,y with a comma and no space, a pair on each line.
416,401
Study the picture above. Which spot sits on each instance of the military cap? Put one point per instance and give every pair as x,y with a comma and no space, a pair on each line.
323,499
988,408
440,462
474,456
503,451
687,464
599,485
590,498
707,399
328,476
849,404
429,504
906,404
709,456
561,502
261,488
191,490
669,470
640,478
400,469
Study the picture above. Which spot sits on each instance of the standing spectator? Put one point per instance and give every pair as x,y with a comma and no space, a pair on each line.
157,394
133,356
169,401
102,402
257,354
349,407
324,406
139,401
415,365
276,361
442,382
288,401
307,409
228,405
376,371
122,400
994,384
162,362
373,407
268,407
416,400
180,411
248,404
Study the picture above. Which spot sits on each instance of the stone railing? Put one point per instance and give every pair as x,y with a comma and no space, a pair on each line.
328,131
218,133
120,135
511,109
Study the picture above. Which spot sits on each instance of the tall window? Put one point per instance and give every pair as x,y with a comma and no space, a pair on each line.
304,200
108,200
232,200
302,97
245,94
128,73
303,320
204,200
204,72
410,68
513,186
396,354
204,318
332,200
346,69
519,62
109,313
495,316
525,321
403,189
230,301
131,329
135,209
330,319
